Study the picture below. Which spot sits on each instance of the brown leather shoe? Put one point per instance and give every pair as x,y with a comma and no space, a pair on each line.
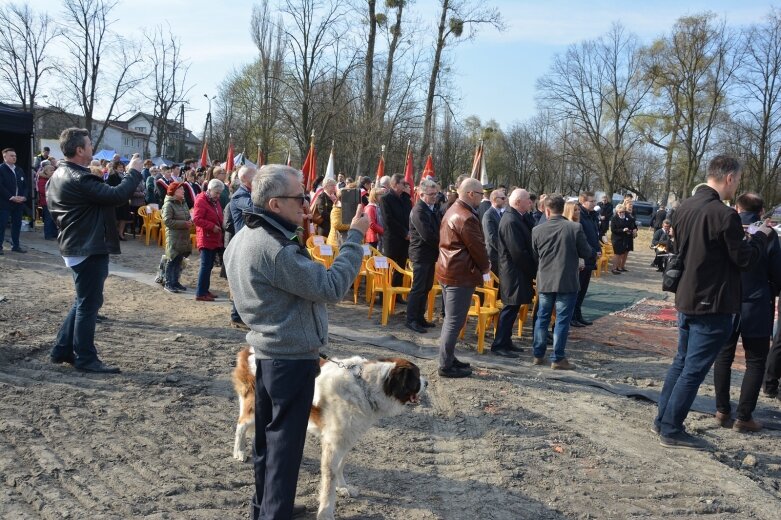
746,426
539,361
724,420
562,364
204,298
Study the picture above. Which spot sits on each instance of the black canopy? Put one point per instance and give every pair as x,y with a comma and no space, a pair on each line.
16,131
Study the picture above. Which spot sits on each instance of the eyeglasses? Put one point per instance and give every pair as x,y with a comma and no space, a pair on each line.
478,192
300,198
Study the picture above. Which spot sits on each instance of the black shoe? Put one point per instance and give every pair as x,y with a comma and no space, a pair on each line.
18,250
460,364
770,392
683,441
416,327
100,318
65,359
575,323
655,429
585,322
160,280
180,286
173,290
400,301
513,348
454,372
427,324
298,511
503,352
98,367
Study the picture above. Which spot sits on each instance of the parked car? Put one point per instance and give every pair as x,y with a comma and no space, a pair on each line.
642,210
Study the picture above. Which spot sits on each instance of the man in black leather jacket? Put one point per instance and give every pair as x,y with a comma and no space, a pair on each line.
83,208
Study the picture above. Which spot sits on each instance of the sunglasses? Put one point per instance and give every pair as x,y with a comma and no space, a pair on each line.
300,198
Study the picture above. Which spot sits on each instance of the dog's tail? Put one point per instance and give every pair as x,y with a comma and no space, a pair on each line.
243,380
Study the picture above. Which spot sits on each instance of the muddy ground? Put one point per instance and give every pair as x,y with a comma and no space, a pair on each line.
511,442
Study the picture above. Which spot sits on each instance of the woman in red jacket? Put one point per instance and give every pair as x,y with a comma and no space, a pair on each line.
207,217
375,231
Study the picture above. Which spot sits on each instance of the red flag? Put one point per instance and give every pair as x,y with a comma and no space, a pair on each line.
229,161
428,170
380,170
309,169
205,161
409,173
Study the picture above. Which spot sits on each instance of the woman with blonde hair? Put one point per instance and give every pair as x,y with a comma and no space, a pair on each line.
572,211
372,211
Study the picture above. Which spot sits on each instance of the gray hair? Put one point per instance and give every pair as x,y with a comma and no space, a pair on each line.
72,138
518,194
427,184
271,181
246,174
215,183
385,181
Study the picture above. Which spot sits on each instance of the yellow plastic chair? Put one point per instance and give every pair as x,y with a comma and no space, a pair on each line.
432,297
603,262
484,313
367,253
151,226
324,254
381,270
310,242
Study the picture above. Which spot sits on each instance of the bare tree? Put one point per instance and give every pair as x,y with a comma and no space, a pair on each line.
104,65
167,80
24,58
598,84
455,16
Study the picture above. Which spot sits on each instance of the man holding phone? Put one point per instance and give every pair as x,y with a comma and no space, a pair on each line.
84,208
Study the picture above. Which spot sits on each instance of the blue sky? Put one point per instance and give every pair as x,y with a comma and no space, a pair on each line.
496,73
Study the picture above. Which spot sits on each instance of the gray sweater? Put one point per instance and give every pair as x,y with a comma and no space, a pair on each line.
281,294
556,245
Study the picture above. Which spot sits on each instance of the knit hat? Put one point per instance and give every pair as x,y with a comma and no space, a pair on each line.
172,188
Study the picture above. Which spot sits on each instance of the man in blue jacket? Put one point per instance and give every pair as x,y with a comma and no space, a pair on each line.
12,199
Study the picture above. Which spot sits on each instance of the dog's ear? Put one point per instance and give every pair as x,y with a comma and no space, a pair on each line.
403,381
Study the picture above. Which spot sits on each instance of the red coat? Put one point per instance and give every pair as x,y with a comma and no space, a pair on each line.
207,214
375,230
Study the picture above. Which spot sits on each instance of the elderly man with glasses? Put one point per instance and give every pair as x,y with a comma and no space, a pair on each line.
282,294
460,267
423,251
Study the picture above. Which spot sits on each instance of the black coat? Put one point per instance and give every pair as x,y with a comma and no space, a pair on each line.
490,224
710,237
11,184
424,233
590,224
395,218
658,219
517,267
759,287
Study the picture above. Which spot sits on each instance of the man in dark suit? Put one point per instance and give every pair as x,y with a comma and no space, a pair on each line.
490,222
589,221
423,252
395,214
658,219
12,198
485,203
517,269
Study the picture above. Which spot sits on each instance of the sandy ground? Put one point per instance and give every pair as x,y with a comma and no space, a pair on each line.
511,442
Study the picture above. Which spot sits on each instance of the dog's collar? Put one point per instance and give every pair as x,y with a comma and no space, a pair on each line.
358,374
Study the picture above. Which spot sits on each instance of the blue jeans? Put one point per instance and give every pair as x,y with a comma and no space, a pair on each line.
205,272
76,338
565,306
283,397
49,227
700,339
15,212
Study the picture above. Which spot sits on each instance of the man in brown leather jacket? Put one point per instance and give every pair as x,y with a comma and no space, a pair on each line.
460,267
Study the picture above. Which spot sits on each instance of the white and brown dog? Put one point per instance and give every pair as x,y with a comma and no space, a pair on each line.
351,395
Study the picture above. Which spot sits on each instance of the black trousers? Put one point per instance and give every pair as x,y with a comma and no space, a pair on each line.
585,279
756,354
283,398
422,281
773,371
504,329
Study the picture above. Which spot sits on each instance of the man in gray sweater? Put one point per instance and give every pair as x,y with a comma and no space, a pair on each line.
560,247
282,294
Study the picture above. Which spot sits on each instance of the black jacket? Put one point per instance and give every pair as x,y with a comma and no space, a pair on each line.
589,221
759,288
710,237
424,233
490,224
82,205
395,217
11,184
658,219
517,267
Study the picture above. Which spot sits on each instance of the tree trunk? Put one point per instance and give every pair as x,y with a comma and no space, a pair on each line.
432,82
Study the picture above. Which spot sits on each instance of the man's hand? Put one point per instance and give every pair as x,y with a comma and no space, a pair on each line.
765,228
360,221
135,163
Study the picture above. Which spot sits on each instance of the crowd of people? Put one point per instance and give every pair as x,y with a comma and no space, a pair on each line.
542,247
